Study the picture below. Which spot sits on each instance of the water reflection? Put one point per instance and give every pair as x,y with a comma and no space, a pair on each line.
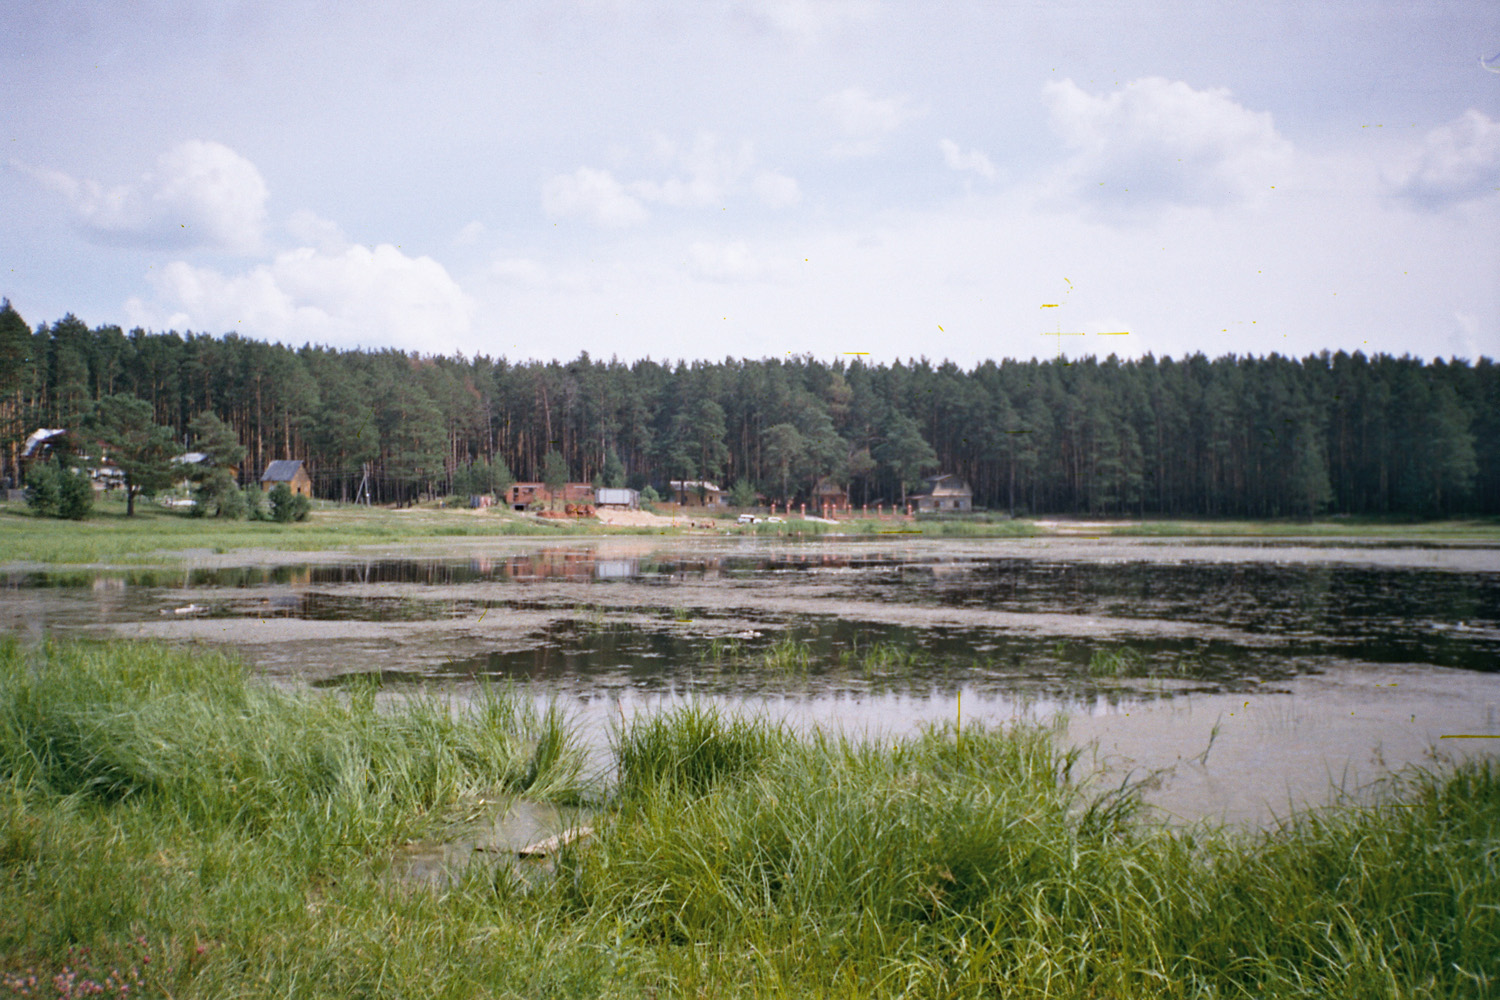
607,620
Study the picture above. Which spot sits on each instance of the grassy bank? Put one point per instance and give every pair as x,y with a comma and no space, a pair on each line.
169,825
154,532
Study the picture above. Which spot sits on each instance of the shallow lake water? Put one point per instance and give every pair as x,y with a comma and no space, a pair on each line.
1237,681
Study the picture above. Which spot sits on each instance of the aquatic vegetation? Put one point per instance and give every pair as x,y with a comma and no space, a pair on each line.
789,654
1122,661
1127,661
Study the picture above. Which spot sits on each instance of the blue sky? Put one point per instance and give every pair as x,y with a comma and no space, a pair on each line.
753,178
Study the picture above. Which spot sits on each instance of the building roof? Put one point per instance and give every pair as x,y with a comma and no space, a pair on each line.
39,437
947,484
192,458
685,485
281,470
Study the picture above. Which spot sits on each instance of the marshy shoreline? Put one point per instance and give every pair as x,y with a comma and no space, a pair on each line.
891,766
170,823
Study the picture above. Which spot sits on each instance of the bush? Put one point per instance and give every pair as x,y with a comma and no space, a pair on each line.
75,494
219,496
255,504
55,491
287,506
742,494
43,492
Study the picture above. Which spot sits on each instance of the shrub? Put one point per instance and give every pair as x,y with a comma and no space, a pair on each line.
255,504
75,494
43,492
219,496
287,506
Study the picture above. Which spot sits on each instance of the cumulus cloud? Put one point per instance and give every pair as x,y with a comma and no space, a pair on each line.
973,161
866,120
594,195
200,195
1459,161
309,228
372,297
706,172
1157,142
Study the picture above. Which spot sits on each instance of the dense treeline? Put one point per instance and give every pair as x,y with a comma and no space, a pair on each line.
1240,436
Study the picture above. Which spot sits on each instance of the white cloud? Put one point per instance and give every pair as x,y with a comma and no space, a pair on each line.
705,173
358,296
201,194
866,120
310,228
973,160
1156,143
594,195
1459,161
708,172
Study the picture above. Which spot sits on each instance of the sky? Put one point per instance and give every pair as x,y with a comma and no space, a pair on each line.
759,178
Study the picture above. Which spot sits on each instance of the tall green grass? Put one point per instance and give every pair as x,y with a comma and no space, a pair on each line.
936,866
148,723
158,804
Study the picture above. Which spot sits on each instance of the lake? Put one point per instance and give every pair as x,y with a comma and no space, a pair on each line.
1235,681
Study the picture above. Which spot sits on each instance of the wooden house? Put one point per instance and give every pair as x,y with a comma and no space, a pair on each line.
520,496
829,493
943,493
291,471
697,493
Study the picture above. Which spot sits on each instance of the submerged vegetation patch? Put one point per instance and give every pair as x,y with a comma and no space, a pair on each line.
159,802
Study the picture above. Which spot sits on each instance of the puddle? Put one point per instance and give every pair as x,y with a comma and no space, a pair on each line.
493,835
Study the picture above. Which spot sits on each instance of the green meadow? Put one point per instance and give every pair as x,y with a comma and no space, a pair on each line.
171,827
156,534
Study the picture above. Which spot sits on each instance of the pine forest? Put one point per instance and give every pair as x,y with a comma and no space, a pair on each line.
1228,436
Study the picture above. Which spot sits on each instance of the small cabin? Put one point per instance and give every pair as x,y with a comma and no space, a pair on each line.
944,493
291,471
520,496
697,493
829,492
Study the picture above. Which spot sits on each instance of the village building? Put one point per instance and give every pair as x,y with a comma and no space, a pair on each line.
291,471
943,493
697,493
829,493
520,496
191,463
621,498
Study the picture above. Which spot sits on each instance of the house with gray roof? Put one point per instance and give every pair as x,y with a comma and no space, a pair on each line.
290,471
